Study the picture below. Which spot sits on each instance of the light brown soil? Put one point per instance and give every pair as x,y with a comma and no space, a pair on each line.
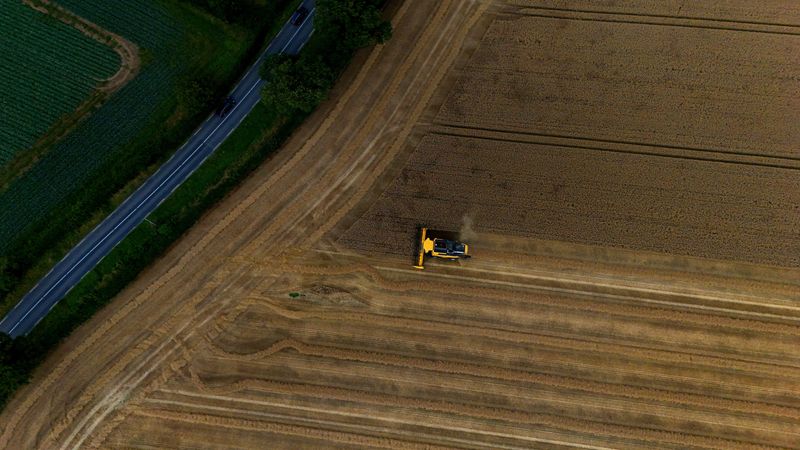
534,342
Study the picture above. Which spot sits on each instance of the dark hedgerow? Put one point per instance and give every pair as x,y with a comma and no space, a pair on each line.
300,83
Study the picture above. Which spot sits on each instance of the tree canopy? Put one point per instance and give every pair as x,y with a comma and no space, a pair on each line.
351,24
295,84
299,84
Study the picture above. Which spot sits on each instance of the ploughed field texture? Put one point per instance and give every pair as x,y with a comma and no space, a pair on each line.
48,68
668,127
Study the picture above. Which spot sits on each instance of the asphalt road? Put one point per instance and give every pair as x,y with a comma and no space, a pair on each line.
133,211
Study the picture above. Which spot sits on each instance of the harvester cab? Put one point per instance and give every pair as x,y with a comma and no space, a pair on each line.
439,244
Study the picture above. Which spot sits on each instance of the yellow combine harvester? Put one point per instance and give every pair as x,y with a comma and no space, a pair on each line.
439,244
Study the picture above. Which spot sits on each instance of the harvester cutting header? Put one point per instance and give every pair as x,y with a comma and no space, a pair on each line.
439,244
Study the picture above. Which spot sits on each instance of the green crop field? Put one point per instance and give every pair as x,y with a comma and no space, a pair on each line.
190,52
47,69
137,125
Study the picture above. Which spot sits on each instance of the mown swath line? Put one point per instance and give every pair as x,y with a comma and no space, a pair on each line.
559,420
310,426
730,396
695,397
664,24
617,150
659,16
559,335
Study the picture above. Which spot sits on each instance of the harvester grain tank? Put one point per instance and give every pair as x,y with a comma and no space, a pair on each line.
439,244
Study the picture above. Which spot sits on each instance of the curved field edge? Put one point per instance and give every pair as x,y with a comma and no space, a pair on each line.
50,68
66,190
130,59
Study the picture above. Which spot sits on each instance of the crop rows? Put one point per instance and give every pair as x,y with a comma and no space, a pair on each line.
104,134
127,19
48,69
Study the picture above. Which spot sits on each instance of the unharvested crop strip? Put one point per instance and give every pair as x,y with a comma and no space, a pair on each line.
620,217
668,302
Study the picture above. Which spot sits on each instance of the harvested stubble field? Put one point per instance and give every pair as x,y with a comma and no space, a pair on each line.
554,335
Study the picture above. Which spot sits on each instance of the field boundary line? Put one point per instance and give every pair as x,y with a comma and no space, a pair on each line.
661,16
666,21
518,137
